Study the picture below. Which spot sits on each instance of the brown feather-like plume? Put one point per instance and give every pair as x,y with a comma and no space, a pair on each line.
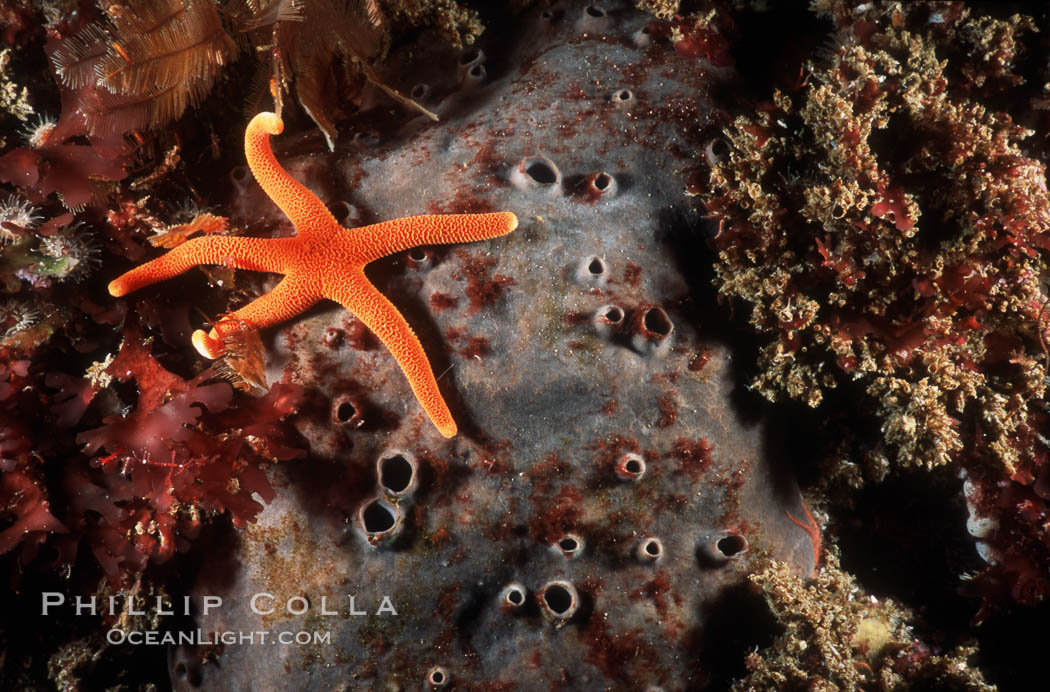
164,43
76,58
150,61
355,32
257,15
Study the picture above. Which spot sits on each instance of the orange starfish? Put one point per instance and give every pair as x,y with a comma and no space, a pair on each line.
323,260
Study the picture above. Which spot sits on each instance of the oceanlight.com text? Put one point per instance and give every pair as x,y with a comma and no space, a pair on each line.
228,637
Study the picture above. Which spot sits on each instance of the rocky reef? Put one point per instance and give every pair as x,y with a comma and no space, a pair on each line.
757,245
605,492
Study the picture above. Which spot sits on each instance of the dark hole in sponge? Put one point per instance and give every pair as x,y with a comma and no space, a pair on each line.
558,599
731,545
595,11
719,149
657,322
345,411
378,518
541,172
395,473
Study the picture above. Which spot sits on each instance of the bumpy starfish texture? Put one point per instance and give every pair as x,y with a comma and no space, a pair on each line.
323,260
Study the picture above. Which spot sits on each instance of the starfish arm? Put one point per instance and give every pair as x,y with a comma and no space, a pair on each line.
363,299
306,212
258,254
388,237
287,299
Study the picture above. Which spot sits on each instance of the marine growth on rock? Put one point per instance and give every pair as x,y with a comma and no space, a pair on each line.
754,244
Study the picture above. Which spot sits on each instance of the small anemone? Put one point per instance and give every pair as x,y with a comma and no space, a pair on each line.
187,210
38,133
17,212
17,315
78,251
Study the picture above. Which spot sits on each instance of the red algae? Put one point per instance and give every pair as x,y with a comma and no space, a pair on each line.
470,347
556,516
699,360
616,653
482,288
655,590
544,473
694,456
447,601
358,335
632,275
668,411
443,301
609,450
